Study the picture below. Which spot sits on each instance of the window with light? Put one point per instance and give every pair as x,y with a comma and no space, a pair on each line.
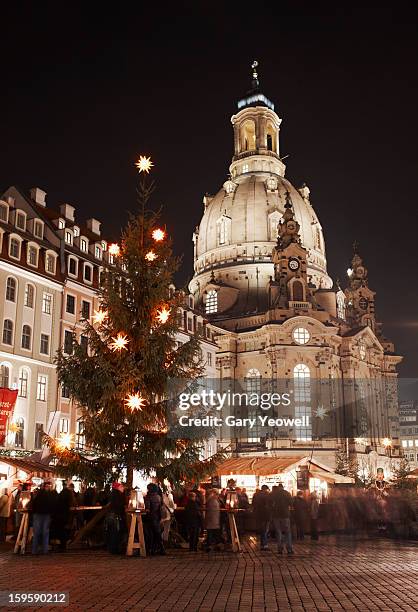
302,399
211,302
301,335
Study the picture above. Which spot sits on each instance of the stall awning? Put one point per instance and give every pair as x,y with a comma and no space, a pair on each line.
259,466
29,466
330,477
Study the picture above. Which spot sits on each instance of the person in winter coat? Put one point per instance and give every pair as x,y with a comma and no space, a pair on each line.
4,514
281,502
314,511
213,520
63,516
194,521
167,511
42,506
116,519
262,511
300,508
153,504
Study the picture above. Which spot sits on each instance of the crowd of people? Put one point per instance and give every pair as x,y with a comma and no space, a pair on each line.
194,516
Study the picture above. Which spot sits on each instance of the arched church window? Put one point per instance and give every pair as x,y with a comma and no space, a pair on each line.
253,381
340,305
302,399
248,135
297,291
223,227
271,137
318,239
274,220
211,304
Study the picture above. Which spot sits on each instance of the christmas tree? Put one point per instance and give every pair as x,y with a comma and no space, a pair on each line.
120,382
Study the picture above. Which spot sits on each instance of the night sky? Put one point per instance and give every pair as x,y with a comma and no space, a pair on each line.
85,90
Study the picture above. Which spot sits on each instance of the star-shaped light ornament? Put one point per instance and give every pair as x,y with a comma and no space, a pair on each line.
321,412
114,249
14,427
135,402
119,343
64,441
144,164
163,314
150,256
158,235
99,316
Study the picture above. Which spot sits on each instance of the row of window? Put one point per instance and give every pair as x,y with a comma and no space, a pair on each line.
23,382
409,443
21,221
29,299
19,437
26,340
32,254
70,306
73,269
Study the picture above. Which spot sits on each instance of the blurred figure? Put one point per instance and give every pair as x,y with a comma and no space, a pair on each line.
153,504
314,511
194,520
213,519
300,508
262,512
4,514
167,511
63,516
116,526
42,506
281,502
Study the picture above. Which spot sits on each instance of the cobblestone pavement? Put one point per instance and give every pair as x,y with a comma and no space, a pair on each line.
336,573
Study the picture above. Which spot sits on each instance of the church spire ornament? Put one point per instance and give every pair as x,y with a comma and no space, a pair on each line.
255,82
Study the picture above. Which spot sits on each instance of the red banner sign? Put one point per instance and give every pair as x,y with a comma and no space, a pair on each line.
7,403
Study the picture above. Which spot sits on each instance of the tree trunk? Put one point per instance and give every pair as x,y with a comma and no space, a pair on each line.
129,476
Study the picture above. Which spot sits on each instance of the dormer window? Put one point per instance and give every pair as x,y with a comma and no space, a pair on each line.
61,223
245,168
32,255
98,252
21,220
38,230
4,212
76,231
69,237
84,245
104,245
14,247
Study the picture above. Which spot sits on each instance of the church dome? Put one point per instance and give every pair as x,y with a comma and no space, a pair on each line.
234,241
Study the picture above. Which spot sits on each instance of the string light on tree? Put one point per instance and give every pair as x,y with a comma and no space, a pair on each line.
119,343
114,249
99,316
150,256
135,401
163,314
158,235
144,164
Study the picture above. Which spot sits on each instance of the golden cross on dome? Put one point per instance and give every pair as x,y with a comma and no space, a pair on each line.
255,74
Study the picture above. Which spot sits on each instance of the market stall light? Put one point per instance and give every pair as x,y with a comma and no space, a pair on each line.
386,442
114,249
119,342
158,235
135,401
99,316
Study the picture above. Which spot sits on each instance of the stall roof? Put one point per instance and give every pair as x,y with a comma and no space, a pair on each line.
328,476
28,465
259,466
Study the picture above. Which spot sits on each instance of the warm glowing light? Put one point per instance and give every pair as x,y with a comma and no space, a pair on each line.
119,343
14,427
386,442
158,235
135,401
144,164
349,272
114,249
65,440
150,256
99,316
163,314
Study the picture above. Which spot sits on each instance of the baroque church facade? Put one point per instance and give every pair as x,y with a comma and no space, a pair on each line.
260,276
